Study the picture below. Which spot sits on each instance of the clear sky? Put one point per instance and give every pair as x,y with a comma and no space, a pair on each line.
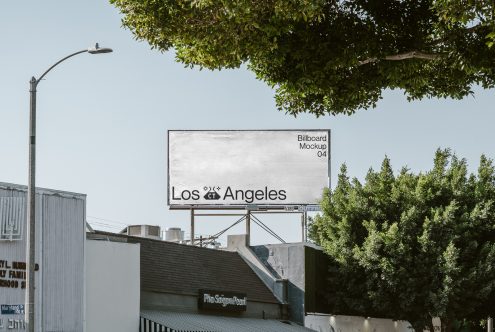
102,119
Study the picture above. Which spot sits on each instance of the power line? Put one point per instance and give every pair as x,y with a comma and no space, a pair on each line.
109,220
104,224
267,229
217,235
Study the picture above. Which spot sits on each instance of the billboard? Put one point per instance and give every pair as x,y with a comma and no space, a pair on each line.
221,168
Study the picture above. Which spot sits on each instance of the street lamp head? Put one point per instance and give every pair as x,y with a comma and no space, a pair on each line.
98,50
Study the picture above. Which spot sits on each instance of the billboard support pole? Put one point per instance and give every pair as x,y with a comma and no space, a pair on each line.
303,231
192,227
305,216
248,227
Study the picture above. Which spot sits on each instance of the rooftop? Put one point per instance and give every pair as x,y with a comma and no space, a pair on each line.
183,269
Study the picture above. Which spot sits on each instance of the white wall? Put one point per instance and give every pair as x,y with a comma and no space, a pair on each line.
112,286
328,323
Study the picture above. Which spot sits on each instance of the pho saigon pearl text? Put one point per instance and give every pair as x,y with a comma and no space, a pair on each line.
223,301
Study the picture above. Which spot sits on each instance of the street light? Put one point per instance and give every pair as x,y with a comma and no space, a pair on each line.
31,196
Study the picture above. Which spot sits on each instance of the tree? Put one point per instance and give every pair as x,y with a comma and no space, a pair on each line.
413,246
329,56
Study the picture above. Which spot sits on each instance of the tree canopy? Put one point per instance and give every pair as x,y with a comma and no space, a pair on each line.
412,246
329,56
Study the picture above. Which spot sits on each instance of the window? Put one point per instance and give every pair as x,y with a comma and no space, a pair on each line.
12,218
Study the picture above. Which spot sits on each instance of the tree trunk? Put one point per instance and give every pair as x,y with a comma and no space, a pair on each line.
430,326
447,325
462,325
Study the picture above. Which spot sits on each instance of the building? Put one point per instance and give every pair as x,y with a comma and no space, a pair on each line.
112,286
188,288
80,285
60,247
305,267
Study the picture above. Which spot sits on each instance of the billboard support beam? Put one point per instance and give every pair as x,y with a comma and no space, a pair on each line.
303,229
248,227
305,216
249,215
192,227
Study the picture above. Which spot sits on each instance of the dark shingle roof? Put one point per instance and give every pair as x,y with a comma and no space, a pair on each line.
181,269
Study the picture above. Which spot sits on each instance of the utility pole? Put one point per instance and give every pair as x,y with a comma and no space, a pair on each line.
31,209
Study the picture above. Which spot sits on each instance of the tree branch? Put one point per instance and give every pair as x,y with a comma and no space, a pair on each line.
466,31
403,56
419,54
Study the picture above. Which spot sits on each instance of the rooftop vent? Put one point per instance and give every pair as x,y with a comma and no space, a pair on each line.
174,234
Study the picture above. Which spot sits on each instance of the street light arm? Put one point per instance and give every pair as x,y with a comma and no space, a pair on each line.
62,60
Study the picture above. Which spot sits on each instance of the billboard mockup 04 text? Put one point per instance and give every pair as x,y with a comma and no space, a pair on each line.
247,167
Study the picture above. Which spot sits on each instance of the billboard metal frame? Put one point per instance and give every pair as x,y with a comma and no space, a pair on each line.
247,217
249,207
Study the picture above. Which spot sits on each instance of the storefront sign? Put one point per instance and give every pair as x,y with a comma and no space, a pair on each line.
224,301
12,309
12,324
13,274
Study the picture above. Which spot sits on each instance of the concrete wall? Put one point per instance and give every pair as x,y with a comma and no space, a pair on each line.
60,234
286,261
112,286
239,244
328,323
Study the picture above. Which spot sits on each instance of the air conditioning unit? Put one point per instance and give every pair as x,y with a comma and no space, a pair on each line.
147,231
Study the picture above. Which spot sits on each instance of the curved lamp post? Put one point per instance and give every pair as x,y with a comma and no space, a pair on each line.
31,196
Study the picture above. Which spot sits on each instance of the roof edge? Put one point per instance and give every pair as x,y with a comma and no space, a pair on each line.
45,191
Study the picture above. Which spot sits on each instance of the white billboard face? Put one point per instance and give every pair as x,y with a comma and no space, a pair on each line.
247,167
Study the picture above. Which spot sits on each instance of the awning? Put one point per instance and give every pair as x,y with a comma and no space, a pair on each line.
164,321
